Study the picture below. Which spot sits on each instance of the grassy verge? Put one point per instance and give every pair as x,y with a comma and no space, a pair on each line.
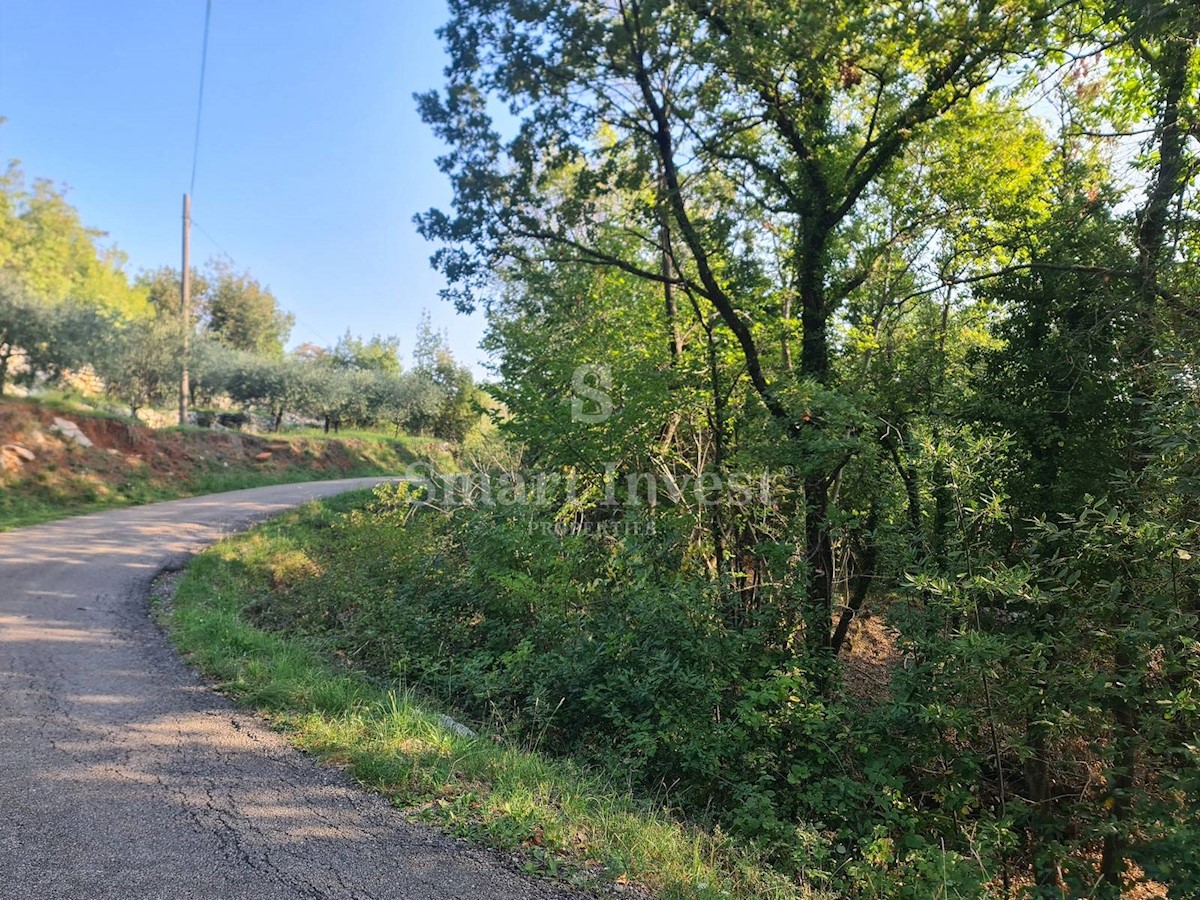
59,498
131,464
561,820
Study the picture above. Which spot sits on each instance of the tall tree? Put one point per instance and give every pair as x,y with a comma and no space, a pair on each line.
244,314
45,244
376,354
729,120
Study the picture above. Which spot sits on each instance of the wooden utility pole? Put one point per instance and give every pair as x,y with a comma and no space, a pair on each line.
185,307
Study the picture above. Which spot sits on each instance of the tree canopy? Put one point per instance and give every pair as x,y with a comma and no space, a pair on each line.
45,245
934,266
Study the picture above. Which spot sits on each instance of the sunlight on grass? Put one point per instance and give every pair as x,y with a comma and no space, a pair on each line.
564,821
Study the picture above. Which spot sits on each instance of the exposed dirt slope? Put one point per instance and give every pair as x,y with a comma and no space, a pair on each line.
47,471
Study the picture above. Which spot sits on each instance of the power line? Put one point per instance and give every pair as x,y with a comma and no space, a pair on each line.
200,99
189,221
212,240
305,325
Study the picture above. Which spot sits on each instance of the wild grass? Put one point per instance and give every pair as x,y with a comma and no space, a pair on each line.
67,402
61,495
562,820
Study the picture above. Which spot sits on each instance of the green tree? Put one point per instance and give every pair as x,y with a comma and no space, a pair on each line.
343,397
377,354
434,363
140,365
243,314
719,121
24,322
44,243
405,400
828,238
48,339
164,293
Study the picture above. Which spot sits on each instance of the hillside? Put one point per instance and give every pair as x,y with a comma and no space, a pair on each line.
48,469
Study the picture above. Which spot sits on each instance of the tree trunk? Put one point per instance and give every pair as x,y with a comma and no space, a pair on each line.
670,303
1043,828
814,364
818,614
814,346
1174,64
862,585
908,476
816,223
716,525
667,269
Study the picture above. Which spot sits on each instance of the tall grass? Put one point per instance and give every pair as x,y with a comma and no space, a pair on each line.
579,825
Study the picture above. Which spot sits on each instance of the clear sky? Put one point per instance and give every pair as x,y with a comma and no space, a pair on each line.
312,158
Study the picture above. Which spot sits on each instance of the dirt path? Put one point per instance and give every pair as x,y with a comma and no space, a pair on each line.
122,776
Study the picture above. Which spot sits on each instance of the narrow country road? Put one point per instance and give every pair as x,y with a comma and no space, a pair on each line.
123,777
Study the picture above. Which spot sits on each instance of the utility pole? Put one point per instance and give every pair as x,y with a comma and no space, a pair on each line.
185,308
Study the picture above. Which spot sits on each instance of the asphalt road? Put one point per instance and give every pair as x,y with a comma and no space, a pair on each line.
122,776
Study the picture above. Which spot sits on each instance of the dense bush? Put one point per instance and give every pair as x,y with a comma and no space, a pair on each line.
892,253
611,649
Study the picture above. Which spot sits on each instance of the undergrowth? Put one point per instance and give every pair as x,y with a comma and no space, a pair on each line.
563,819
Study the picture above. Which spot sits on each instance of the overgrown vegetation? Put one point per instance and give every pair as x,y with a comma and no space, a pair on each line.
606,651
934,266
857,343
564,821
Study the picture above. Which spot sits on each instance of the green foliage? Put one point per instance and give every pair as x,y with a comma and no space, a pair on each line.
140,362
562,820
407,401
559,820
66,306
377,354
243,314
438,373
23,322
164,292
927,270
43,242
46,340
832,241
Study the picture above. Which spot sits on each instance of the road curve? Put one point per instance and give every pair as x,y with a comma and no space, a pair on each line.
123,777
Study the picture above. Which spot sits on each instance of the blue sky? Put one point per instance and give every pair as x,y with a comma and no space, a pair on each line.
312,158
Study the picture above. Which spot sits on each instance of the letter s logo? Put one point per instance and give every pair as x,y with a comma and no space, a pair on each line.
591,383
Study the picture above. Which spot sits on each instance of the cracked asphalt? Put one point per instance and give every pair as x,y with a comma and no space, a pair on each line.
122,776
